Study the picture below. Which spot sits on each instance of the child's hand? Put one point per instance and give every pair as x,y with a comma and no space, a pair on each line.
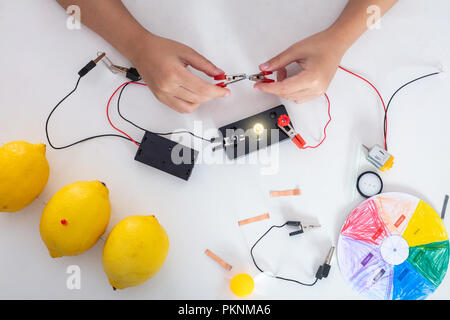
162,63
318,56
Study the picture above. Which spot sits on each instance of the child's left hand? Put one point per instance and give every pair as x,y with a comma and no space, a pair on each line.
319,57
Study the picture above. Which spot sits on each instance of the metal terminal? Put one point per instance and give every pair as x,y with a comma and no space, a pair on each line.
100,56
229,141
110,65
257,77
284,123
329,256
444,207
311,226
235,78
303,227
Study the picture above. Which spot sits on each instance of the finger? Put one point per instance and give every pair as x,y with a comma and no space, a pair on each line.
201,87
302,94
188,95
281,74
280,61
183,106
199,62
177,104
285,87
296,95
305,99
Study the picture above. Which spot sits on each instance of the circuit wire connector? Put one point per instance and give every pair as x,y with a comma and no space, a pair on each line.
91,65
327,263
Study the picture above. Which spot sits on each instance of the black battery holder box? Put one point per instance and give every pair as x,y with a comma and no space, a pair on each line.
166,155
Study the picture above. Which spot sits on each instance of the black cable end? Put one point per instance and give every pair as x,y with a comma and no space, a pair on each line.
294,233
91,65
326,270
319,273
293,223
133,75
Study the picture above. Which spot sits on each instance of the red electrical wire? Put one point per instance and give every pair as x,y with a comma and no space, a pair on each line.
379,95
107,110
325,128
329,110
143,84
307,147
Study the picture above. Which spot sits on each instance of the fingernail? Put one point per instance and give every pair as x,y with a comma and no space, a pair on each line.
264,66
219,71
227,94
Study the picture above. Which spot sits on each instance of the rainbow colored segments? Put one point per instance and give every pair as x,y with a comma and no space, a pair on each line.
393,246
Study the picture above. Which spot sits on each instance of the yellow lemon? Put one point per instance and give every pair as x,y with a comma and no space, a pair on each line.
242,285
134,251
24,174
75,218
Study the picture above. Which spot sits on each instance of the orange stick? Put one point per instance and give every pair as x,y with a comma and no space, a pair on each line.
254,219
285,193
225,265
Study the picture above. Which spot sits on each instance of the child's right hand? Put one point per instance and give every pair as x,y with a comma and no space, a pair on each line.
162,63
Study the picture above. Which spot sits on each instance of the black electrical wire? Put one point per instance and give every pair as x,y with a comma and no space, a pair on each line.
397,91
80,141
277,277
158,133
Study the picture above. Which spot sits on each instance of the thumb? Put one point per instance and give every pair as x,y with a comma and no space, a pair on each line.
199,62
280,61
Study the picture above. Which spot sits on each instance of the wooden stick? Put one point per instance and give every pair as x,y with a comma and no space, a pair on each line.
254,219
285,193
225,265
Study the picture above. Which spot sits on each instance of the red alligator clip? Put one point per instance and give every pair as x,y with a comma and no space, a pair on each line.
261,77
284,123
229,79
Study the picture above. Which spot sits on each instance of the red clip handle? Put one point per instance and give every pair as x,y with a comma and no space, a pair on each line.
220,77
222,85
298,140
268,80
266,73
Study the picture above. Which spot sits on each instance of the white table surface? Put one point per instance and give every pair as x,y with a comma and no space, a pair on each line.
39,61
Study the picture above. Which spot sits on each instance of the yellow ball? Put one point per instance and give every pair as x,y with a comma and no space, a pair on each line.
242,285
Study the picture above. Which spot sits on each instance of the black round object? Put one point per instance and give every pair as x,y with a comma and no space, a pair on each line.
369,184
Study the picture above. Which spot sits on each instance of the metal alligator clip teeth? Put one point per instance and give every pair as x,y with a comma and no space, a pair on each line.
130,73
229,79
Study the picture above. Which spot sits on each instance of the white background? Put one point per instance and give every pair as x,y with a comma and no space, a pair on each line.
39,58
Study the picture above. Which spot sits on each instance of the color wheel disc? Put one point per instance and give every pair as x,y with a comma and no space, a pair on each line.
393,246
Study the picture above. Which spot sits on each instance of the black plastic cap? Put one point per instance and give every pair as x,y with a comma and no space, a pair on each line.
326,270
319,273
91,65
133,74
